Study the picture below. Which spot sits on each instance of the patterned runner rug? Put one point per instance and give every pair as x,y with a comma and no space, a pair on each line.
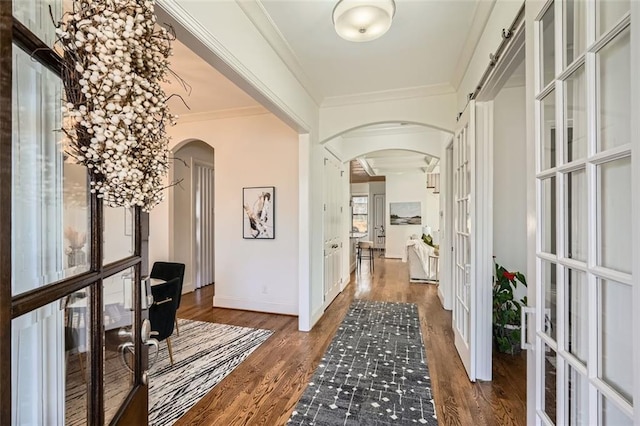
373,373
203,355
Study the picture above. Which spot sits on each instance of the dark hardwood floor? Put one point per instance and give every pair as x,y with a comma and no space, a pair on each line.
264,389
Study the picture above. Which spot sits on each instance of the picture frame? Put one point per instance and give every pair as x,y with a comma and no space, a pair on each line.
405,213
258,213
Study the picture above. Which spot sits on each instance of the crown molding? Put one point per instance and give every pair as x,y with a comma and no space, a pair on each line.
389,95
258,15
392,129
227,62
478,24
222,114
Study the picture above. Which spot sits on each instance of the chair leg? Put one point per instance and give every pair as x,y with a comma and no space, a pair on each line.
177,329
170,350
371,256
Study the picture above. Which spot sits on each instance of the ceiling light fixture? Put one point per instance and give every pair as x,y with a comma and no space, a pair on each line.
363,20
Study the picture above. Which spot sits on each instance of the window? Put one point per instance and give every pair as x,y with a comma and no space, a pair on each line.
359,213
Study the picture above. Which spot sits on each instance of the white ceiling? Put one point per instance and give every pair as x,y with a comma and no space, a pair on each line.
395,161
423,47
207,90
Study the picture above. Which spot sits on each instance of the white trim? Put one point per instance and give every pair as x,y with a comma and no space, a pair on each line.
446,246
255,11
531,77
192,32
253,305
635,189
305,320
223,113
474,34
389,95
482,238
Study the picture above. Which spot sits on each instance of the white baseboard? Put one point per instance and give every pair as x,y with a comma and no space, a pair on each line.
187,288
345,282
254,305
441,297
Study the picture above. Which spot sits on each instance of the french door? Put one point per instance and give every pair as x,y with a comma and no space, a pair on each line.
585,345
464,318
71,325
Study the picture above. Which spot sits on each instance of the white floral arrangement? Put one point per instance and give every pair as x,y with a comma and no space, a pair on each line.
114,59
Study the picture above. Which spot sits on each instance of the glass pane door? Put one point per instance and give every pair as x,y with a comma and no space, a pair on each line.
463,303
70,313
584,202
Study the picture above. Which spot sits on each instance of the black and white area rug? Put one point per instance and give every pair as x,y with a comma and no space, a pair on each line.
373,373
203,355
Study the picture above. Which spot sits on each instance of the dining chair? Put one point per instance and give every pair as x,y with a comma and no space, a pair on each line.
167,271
162,313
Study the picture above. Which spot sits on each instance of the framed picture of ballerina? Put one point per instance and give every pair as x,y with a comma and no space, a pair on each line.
258,213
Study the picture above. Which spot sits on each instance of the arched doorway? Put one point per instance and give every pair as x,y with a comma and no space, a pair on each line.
192,212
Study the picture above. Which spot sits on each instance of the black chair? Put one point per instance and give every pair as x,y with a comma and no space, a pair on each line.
162,313
167,271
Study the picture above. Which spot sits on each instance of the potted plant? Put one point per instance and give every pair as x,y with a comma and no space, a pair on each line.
507,309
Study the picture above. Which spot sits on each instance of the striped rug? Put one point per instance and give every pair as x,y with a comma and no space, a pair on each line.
203,355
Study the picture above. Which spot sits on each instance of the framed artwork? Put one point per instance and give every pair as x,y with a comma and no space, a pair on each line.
258,213
405,213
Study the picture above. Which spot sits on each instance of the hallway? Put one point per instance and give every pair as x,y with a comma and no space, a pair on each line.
264,389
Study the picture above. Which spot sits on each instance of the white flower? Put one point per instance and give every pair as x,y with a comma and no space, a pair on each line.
120,108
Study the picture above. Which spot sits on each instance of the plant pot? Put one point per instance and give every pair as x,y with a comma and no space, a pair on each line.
507,338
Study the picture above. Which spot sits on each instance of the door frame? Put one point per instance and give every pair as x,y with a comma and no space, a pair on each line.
11,307
376,231
445,287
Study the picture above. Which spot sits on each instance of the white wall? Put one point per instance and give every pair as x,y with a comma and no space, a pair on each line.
428,141
509,180
258,150
409,187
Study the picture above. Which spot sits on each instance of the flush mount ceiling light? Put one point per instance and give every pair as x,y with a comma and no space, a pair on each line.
363,20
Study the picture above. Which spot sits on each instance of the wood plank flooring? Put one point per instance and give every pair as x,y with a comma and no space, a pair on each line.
264,389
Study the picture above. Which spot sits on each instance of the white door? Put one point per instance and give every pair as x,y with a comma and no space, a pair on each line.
585,343
464,292
332,224
378,221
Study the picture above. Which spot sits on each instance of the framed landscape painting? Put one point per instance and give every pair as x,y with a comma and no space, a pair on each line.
405,213
258,212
